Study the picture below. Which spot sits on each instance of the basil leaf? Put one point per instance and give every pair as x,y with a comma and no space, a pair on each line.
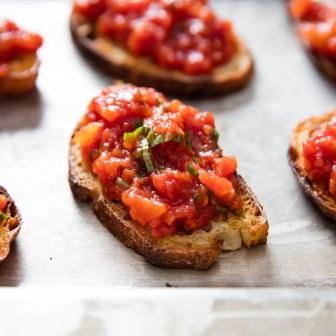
3,216
146,156
158,139
133,135
192,171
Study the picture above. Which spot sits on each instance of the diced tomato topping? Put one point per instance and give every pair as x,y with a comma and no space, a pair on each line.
182,35
15,42
142,209
226,166
319,152
220,186
3,203
317,26
173,185
90,8
88,137
159,158
108,167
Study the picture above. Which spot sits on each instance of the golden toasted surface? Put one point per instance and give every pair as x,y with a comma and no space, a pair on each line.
9,228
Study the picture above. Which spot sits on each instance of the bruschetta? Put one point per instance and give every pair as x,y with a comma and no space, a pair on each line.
18,59
317,29
178,47
158,180
10,223
312,156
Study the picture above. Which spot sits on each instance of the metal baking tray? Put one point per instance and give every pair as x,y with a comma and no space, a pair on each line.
63,243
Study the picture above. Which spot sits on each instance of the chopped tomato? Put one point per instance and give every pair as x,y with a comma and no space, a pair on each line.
108,168
158,158
87,137
183,35
226,166
317,26
3,202
15,42
173,185
90,8
220,186
319,152
142,209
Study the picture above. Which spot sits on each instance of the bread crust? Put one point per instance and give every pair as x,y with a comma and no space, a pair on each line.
324,65
140,71
22,76
7,235
198,250
316,192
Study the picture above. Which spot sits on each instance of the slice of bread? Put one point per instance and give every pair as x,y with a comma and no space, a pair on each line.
324,65
315,191
22,76
141,71
9,229
198,250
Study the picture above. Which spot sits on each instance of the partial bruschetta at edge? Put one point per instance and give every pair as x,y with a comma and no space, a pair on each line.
19,63
312,156
178,47
10,223
316,22
158,180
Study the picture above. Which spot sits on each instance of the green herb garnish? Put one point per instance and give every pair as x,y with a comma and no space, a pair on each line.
133,135
151,137
192,171
3,216
122,183
158,139
146,156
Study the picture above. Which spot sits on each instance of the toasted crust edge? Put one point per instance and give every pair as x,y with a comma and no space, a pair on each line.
316,193
198,86
324,65
14,232
136,237
19,83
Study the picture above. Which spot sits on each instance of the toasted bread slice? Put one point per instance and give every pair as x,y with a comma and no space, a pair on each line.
22,76
324,65
9,229
141,71
198,250
315,191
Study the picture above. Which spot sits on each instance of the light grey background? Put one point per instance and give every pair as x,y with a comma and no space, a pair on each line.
61,241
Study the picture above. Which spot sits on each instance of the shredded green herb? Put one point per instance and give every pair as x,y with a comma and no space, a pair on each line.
192,171
133,135
158,139
122,183
146,156
3,216
151,137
